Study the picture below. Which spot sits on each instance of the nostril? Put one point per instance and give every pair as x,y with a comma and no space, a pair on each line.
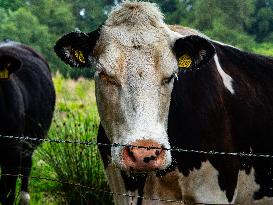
157,152
148,159
130,154
152,158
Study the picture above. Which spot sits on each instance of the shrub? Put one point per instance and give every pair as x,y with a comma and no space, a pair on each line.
79,166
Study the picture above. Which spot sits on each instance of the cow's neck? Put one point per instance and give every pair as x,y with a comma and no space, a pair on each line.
199,119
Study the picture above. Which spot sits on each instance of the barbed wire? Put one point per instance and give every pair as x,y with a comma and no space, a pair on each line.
88,143
113,193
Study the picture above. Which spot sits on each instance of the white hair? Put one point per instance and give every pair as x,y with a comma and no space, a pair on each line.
135,13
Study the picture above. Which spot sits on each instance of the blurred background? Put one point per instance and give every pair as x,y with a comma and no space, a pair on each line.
73,173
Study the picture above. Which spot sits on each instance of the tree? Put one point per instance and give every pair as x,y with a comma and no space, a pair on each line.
237,14
11,4
175,11
21,25
262,25
90,14
57,15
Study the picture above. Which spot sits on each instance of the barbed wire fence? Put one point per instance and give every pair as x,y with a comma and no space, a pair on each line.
101,190
88,143
23,139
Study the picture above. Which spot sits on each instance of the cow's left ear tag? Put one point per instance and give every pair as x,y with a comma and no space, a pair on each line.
184,61
78,54
4,74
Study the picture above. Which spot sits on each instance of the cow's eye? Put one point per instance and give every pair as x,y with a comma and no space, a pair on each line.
168,79
107,78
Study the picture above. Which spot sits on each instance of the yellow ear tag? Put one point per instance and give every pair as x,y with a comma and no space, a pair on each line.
184,61
4,74
79,55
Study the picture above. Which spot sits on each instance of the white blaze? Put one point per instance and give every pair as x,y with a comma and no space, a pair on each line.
227,80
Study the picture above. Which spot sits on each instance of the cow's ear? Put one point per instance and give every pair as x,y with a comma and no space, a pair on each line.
192,52
76,48
8,65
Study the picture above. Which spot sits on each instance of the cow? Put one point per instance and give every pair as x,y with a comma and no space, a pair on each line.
160,88
27,100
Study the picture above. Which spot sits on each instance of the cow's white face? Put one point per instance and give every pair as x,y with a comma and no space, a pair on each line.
136,63
134,80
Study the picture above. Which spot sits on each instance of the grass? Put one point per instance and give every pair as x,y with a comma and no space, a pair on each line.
75,118
264,49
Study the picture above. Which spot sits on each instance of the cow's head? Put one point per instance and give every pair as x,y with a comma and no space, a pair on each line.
137,59
8,62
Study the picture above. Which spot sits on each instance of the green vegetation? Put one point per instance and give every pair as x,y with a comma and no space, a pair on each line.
78,166
247,24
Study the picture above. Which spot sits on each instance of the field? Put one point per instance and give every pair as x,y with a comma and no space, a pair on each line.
75,171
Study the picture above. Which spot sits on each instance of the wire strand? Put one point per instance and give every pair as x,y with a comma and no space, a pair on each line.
88,143
110,192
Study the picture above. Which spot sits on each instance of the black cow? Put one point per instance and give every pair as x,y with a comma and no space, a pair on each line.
172,87
27,100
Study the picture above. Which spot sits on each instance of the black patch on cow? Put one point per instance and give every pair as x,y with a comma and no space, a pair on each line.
135,181
104,146
252,111
264,177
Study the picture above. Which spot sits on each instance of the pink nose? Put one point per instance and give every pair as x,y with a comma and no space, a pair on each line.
140,158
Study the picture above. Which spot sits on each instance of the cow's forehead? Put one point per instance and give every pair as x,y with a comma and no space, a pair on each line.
135,24
128,36
136,32
151,51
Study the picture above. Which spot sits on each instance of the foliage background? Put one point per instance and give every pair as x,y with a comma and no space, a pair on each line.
247,24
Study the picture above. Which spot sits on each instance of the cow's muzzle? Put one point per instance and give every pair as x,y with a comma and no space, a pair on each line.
143,156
